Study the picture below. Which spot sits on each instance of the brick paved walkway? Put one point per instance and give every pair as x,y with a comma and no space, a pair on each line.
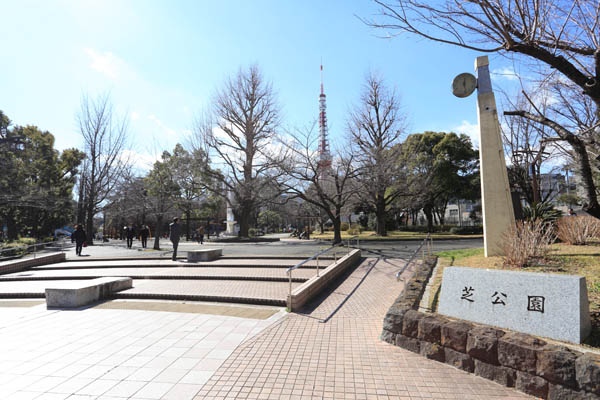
221,262
257,292
333,351
184,272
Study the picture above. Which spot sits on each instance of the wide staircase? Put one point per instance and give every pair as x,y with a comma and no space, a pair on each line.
258,280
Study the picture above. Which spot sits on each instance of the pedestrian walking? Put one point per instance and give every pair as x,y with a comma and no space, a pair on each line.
144,233
571,213
130,234
200,234
79,237
174,235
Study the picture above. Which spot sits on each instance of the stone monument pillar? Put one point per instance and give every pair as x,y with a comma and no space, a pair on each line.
497,208
231,231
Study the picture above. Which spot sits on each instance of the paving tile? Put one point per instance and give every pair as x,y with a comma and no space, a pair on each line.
331,349
196,377
97,387
71,385
144,374
185,363
182,391
170,375
153,390
23,395
125,388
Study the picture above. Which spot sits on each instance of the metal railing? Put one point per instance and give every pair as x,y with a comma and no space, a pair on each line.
428,243
316,257
35,247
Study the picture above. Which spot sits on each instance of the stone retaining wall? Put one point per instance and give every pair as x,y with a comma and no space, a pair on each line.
518,360
18,265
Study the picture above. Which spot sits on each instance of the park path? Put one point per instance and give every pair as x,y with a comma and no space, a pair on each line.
332,351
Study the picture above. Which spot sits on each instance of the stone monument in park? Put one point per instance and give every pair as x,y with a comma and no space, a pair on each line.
497,207
232,228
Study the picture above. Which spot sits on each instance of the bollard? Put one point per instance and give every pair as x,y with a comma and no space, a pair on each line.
317,266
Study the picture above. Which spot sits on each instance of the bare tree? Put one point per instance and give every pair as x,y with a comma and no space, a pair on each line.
329,188
237,133
526,144
105,139
562,36
375,126
571,118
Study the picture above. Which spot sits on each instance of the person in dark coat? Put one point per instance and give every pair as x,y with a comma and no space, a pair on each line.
130,234
144,233
79,237
200,234
174,235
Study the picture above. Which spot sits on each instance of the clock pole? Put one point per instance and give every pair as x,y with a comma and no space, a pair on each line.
496,201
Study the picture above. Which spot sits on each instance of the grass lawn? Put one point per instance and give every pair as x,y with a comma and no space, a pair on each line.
393,235
563,259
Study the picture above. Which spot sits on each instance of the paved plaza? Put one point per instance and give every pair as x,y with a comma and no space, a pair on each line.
287,247
145,349
103,353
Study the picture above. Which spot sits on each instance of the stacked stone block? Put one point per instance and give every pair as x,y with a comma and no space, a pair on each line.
512,359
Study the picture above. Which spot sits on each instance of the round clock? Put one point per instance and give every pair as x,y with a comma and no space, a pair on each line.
464,84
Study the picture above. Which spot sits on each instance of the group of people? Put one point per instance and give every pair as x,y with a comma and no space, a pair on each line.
130,233
79,236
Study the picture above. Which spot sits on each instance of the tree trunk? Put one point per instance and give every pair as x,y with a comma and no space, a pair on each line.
245,214
11,225
188,215
428,210
89,226
337,230
380,215
593,208
157,232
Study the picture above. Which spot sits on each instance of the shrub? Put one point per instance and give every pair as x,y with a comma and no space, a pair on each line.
253,232
355,229
544,211
526,242
344,226
467,230
578,230
26,241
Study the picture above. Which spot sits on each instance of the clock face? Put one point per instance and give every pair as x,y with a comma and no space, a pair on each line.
464,84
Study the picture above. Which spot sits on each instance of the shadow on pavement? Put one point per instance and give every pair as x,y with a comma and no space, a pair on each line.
314,304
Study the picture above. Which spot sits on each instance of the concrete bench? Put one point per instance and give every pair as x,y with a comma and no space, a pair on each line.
204,255
81,293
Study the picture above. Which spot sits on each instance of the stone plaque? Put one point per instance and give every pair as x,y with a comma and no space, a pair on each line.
550,305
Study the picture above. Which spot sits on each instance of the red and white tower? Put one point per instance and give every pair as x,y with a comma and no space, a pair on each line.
324,154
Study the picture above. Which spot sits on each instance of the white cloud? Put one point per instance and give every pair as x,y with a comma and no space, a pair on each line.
469,129
168,131
141,161
105,63
506,73
135,116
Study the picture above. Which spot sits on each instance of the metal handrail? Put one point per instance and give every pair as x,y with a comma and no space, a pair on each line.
412,257
316,256
357,237
35,246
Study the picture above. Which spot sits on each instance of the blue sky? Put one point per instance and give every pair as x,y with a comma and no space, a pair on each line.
161,61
